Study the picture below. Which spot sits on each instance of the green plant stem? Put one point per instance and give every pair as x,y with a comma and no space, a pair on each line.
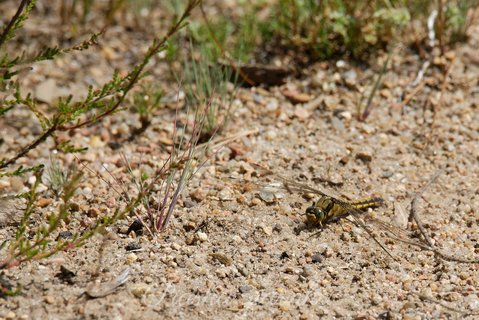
9,28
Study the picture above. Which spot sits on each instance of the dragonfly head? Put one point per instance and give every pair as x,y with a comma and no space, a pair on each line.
314,214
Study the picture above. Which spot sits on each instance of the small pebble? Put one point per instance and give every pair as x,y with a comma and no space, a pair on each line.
96,142
289,270
140,290
43,202
226,194
49,299
221,273
131,257
284,255
284,306
255,202
133,246
223,258
307,272
244,289
268,230
328,252
270,135
86,191
64,235
317,258
364,157
93,212
198,194
10,315
202,236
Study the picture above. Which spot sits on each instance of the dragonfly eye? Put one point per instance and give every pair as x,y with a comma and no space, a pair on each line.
314,214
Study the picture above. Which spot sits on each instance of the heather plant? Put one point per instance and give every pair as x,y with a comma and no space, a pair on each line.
33,238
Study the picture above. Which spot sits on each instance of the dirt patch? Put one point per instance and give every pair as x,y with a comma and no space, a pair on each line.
229,253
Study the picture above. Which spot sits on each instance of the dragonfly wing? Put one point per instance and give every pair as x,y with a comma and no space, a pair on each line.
289,184
396,233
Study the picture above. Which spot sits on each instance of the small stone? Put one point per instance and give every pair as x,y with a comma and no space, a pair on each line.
136,226
64,235
255,202
244,289
364,157
343,114
450,55
226,194
173,277
336,178
245,168
344,160
271,193
110,202
268,230
385,93
331,102
93,212
133,246
10,315
350,77
74,207
49,299
198,194
284,306
189,226
408,305
270,135
387,174
302,113
96,142
202,236
284,255
221,272
289,270
328,252
296,97
131,257
189,203
341,64
307,272
86,191
272,105
43,202
337,124
244,272
190,240
223,258
472,301
316,258
140,290
376,299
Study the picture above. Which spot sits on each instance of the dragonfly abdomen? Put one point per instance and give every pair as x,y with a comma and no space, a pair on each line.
367,203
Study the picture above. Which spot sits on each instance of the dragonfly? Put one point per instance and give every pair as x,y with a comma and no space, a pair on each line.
328,208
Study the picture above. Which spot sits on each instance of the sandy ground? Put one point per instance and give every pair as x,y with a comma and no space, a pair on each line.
232,251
